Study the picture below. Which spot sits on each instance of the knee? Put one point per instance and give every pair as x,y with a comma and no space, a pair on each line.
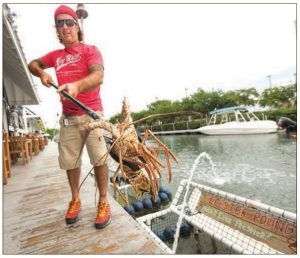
102,168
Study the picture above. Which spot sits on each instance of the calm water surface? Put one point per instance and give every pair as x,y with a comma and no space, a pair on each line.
258,167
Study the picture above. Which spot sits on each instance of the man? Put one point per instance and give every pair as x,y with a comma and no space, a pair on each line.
79,71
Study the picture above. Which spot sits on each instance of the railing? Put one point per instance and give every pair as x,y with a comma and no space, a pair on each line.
180,125
6,162
184,125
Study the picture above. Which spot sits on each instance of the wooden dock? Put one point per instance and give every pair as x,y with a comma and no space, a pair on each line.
34,205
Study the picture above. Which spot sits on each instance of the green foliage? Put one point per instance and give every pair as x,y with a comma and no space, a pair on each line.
160,106
168,127
205,102
278,97
181,125
240,97
51,132
138,115
282,112
186,104
115,118
197,123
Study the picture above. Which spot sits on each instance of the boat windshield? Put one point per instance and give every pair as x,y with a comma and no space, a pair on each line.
225,115
228,110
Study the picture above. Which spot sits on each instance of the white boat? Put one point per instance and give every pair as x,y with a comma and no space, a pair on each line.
236,120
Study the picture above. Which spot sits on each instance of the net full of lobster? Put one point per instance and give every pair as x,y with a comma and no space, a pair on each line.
139,163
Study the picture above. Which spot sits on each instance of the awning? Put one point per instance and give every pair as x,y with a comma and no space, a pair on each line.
18,83
30,114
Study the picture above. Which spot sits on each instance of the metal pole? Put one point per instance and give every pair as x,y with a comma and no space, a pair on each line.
81,14
269,76
85,108
81,21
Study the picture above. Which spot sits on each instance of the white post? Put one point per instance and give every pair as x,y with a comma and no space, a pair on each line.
81,21
25,120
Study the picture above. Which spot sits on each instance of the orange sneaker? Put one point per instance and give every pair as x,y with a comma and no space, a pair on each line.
103,215
72,212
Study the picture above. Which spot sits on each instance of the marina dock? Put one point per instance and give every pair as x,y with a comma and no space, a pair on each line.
176,132
34,205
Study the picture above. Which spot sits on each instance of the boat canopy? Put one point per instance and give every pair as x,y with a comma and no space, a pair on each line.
228,110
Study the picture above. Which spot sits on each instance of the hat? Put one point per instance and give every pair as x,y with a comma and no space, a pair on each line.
66,10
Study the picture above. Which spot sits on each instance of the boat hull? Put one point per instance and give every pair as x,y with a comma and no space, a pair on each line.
250,127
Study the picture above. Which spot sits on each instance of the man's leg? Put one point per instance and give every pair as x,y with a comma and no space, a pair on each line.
70,143
103,213
74,177
75,204
101,173
96,147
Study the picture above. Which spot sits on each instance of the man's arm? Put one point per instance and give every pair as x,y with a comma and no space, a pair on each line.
36,67
91,81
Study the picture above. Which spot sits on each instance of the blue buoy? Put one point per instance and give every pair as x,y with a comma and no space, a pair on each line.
129,209
169,193
138,206
162,189
163,197
147,203
169,232
185,230
161,236
156,202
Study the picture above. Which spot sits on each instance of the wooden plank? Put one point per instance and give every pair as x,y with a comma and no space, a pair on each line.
274,231
35,202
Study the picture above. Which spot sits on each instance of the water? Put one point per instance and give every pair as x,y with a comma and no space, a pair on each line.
258,167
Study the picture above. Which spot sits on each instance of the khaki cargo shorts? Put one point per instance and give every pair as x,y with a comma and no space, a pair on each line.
71,138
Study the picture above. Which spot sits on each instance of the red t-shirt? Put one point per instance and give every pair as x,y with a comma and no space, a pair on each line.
71,64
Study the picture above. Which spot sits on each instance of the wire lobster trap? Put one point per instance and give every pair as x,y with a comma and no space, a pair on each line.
240,225
146,201
127,190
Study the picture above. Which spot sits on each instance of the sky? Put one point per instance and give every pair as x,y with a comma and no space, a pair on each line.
168,51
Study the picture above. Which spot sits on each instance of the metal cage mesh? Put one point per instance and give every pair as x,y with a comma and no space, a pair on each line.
222,233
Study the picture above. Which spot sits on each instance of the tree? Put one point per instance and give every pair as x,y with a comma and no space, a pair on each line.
186,104
204,102
115,118
138,115
51,132
278,97
160,106
231,98
247,97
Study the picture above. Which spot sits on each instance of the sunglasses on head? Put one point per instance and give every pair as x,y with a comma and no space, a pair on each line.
69,23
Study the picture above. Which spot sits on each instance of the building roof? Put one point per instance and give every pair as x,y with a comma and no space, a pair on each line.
18,82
